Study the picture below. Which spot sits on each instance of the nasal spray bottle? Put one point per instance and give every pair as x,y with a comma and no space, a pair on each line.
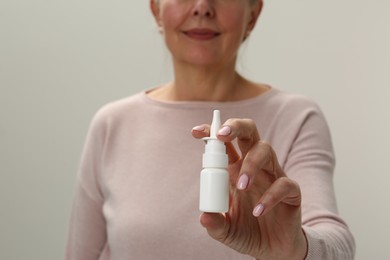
214,178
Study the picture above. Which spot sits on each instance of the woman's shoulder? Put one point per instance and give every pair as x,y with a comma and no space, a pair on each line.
289,103
286,107
291,100
118,109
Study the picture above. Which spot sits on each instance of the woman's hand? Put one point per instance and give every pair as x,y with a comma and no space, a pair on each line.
264,219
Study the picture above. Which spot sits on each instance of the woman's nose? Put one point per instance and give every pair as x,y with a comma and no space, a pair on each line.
204,8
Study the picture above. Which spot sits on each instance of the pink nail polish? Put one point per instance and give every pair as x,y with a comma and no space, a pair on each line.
225,131
243,182
258,210
199,128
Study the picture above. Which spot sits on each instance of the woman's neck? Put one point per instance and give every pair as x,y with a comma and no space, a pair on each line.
218,84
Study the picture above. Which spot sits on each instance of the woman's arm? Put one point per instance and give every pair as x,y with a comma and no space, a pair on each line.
279,212
87,228
311,163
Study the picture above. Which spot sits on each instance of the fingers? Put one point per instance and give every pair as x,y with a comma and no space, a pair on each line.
244,130
262,174
216,224
202,131
232,153
261,159
258,156
283,190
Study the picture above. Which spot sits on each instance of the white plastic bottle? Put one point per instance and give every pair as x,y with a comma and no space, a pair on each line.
214,178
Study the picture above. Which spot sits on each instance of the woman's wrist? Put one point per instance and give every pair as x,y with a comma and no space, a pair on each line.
301,247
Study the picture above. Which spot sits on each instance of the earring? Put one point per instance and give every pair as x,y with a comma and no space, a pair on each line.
160,30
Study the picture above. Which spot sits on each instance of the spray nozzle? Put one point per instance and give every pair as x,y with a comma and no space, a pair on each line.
215,151
216,124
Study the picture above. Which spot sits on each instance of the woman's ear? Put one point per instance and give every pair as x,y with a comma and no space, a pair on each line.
155,8
255,13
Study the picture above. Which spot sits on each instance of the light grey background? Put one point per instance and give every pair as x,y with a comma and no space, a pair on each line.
61,60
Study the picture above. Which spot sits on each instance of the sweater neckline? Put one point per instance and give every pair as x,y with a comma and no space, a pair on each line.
207,104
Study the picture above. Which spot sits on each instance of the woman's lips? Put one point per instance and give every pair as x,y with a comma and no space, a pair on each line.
201,34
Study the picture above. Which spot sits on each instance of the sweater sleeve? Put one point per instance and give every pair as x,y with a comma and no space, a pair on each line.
87,228
310,162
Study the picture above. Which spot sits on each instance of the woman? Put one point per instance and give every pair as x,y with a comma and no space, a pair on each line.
138,185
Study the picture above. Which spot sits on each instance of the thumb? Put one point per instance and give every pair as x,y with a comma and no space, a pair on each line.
216,224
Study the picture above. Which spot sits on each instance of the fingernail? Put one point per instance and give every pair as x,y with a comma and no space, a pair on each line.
258,210
243,182
225,131
199,128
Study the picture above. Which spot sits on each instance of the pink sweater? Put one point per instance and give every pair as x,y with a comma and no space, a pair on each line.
138,186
